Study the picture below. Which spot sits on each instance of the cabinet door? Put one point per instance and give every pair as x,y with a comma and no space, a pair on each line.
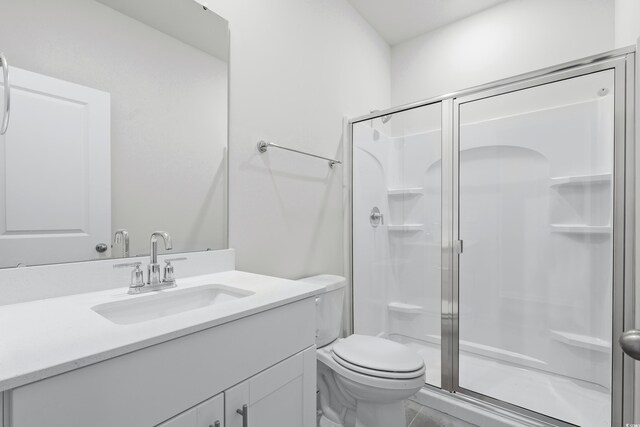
185,419
211,412
281,396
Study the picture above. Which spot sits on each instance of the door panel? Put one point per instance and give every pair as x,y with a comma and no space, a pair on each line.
55,176
397,256
536,275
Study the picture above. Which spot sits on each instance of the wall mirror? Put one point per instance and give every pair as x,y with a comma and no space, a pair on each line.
118,121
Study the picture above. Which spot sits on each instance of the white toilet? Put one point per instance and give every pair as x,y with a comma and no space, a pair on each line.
362,380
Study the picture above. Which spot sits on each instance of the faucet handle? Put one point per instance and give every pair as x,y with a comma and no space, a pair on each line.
169,276
137,275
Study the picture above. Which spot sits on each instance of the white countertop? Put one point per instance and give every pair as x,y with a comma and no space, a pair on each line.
42,338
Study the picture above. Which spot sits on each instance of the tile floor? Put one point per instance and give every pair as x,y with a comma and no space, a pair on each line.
420,416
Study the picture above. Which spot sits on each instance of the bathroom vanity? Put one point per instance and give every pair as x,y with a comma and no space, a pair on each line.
226,348
222,347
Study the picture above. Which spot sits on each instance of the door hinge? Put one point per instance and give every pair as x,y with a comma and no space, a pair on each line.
458,246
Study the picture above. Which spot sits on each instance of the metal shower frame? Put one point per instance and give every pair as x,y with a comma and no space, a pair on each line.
623,63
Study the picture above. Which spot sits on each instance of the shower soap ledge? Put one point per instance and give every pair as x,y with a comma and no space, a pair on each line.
400,307
406,191
582,341
581,179
405,227
580,229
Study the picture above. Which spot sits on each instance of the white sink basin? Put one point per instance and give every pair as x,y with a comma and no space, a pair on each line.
167,303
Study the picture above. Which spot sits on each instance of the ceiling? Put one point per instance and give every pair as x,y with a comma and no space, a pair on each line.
400,20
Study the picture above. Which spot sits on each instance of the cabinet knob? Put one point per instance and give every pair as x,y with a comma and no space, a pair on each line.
245,415
216,424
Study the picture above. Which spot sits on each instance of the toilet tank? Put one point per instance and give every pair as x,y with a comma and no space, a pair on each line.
329,307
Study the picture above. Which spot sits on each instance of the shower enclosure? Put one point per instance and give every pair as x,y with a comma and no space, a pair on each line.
492,232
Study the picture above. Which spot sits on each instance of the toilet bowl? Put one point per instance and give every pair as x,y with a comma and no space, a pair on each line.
362,380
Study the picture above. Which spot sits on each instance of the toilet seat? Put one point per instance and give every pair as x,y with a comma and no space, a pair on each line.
325,355
378,357
380,374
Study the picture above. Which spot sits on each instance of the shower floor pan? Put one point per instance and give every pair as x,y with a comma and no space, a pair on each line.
565,398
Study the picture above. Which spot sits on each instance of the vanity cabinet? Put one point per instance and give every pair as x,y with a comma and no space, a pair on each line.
275,397
206,414
266,361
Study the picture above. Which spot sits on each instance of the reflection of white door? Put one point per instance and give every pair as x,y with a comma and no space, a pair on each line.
55,173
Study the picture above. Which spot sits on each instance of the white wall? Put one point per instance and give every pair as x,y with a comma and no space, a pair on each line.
297,67
509,39
169,118
627,22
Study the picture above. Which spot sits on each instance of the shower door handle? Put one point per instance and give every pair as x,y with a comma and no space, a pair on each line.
630,343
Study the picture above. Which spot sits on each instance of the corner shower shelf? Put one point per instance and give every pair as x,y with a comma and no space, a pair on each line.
582,341
405,227
400,307
581,179
415,191
580,229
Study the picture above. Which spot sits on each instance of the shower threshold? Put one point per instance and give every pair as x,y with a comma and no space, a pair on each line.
534,389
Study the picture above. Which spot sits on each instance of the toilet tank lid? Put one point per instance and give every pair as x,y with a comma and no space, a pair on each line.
330,282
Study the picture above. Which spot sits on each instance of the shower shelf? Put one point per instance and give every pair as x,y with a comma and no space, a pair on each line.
582,341
405,227
581,179
400,307
415,191
581,229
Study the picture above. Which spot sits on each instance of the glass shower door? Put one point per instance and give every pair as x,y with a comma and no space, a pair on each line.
536,270
397,169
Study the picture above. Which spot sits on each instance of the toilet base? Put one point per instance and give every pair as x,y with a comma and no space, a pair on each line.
380,415
371,415
351,399
326,422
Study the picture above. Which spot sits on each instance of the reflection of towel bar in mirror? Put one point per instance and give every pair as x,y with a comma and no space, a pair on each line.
263,145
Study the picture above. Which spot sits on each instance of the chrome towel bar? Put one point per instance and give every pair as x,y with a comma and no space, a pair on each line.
263,145
7,94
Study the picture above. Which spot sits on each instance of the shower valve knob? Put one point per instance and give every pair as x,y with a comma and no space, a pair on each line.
375,217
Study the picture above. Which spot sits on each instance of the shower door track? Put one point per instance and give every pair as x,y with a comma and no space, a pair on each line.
622,61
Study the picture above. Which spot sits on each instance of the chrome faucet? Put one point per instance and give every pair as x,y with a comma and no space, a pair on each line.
122,236
154,268
155,282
